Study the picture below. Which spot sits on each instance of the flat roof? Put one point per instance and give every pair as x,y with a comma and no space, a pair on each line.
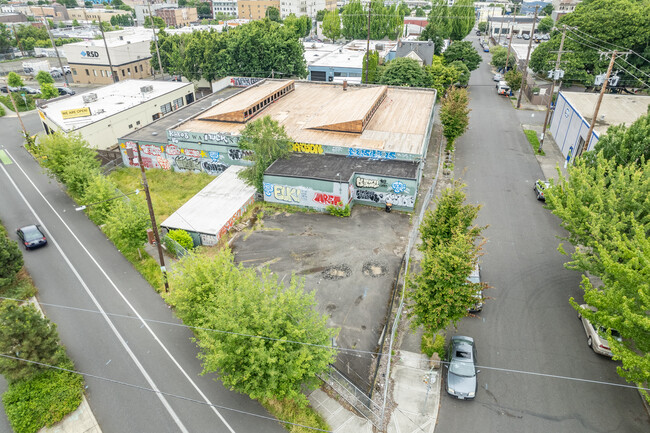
111,99
212,207
399,123
614,109
129,36
351,55
329,167
315,51
155,132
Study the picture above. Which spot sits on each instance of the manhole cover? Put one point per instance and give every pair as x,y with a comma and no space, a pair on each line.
374,269
337,272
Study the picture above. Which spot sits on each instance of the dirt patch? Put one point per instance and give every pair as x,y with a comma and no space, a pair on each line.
337,272
374,269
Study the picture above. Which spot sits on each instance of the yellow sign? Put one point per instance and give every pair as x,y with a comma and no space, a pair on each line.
76,112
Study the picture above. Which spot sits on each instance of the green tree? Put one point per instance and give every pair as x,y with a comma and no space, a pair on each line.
463,79
404,10
439,18
514,79
44,77
623,23
442,77
127,225
373,62
624,145
6,38
273,14
432,33
263,319
75,23
204,10
545,25
68,3
48,91
463,51
462,19
454,115
159,22
320,15
499,55
355,22
332,25
100,190
11,260
547,9
483,26
14,80
419,12
69,160
404,71
268,141
25,334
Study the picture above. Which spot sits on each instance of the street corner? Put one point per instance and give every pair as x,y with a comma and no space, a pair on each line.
82,420
339,418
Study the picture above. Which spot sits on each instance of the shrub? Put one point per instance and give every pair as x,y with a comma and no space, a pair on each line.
127,224
433,344
178,240
99,188
11,259
339,210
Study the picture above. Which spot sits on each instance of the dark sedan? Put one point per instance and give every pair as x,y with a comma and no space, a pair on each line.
32,236
461,369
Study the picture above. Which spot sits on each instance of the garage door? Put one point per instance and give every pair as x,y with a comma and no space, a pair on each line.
318,76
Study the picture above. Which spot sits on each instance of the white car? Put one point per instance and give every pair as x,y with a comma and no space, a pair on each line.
497,77
597,335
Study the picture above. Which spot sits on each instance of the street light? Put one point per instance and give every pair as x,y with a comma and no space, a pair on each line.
83,207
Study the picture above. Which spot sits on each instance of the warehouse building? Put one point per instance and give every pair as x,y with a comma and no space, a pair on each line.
110,112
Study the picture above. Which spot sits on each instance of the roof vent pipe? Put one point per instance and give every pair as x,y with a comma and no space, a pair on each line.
345,85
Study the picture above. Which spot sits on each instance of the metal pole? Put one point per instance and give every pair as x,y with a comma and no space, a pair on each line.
525,72
368,42
18,41
600,99
108,55
500,29
56,50
154,226
510,40
550,99
11,96
155,41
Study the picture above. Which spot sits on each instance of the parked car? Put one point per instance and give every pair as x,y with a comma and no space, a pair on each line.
503,88
56,73
519,36
67,70
3,89
32,236
29,90
539,187
65,91
597,337
461,369
526,36
475,277
497,77
546,37
486,48
478,33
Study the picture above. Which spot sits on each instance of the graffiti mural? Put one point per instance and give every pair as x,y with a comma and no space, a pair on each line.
212,167
244,81
268,189
220,138
238,154
326,199
163,163
172,150
398,187
231,222
192,153
214,155
192,138
372,154
307,148
286,193
209,240
185,163
365,182
150,149
385,197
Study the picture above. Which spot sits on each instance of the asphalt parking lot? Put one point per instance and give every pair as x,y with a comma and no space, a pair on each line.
350,263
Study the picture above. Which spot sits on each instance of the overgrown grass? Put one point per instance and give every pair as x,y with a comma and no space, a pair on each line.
288,410
433,344
43,400
31,104
534,141
22,288
169,190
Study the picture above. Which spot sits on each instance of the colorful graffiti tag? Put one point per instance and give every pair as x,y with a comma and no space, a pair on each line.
326,199
244,81
184,163
286,193
307,148
372,154
385,197
238,154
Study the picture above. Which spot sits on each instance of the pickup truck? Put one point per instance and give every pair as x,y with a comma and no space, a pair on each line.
503,88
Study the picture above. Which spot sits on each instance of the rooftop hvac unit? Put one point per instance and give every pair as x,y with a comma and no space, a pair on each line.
146,89
379,47
89,97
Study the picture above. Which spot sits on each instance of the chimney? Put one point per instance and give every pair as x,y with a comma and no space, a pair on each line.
345,85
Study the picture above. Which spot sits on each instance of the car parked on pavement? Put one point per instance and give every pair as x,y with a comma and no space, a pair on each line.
32,236
65,91
540,187
597,337
526,36
486,48
461,368
29,90
475,277
497,77
503,88
5,89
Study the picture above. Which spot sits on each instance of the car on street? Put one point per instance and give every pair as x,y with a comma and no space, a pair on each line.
519,36
56,73
503,88
497,77
526,36
3,89
65,91
486,48
539,187
29,90
475,277
597,337
31,236
67,70
546,37
478,33
461,368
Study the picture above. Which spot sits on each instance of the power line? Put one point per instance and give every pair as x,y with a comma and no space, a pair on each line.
614,45
167,394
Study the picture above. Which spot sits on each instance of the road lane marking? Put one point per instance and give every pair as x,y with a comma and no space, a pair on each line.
4,158
144,323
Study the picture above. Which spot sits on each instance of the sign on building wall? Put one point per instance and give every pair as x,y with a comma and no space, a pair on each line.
76,112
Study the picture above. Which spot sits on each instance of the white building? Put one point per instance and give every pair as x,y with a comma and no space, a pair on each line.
574,112
305,7
110,112
228,7
142,10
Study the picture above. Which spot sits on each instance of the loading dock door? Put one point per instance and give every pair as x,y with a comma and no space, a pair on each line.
318,76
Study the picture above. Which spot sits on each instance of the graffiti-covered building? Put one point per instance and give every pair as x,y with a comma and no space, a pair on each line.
351,144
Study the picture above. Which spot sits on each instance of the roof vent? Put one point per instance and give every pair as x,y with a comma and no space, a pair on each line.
89,97
146,89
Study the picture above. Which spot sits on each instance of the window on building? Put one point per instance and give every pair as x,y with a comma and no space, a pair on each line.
128,70
155,116
141,68
123,73
178,103
131,126
87,72
137,123
74,71
95,72
166,108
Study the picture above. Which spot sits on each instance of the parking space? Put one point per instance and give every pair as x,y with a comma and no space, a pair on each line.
350,264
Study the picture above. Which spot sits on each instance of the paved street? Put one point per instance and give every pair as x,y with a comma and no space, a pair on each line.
81,269
528,325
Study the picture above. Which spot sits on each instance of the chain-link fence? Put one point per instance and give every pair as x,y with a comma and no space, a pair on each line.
173,247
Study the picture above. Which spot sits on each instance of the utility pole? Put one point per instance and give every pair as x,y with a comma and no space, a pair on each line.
524,74
154,226
155,41
11,96
18,41
368,43
501,29
510,40
600,99
550,99
56,50
108,55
